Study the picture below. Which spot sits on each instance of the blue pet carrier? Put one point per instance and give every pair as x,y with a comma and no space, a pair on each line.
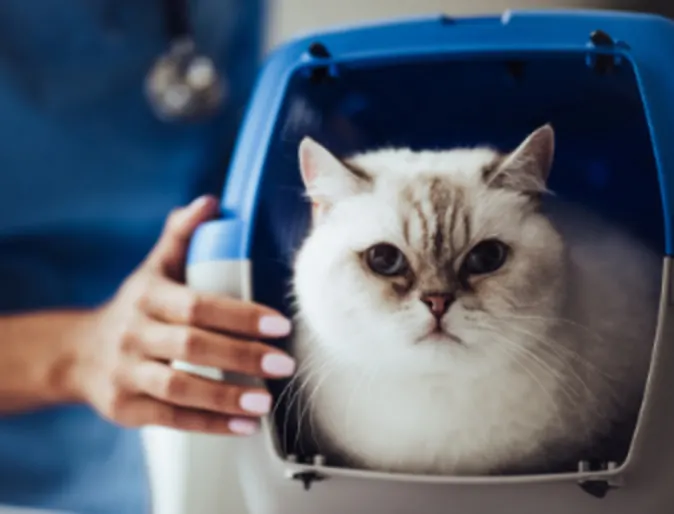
606,83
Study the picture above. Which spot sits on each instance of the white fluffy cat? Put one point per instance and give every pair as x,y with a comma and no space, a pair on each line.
448,324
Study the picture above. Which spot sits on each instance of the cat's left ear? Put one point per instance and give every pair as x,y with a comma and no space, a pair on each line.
527,168
326,178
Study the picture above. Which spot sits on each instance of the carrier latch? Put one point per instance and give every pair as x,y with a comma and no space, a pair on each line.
598,487
308,476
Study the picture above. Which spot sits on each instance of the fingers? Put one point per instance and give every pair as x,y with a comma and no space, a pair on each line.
200,347
148,411
175,303
169,252
186,390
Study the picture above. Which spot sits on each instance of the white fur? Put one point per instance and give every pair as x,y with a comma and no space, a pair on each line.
518,389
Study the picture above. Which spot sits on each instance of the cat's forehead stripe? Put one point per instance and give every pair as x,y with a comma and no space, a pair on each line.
467,226
434,218
440,198
406,230
417,209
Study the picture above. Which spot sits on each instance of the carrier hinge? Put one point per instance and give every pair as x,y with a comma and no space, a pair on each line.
603,63
322,73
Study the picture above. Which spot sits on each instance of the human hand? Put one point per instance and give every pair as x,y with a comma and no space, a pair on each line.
123,352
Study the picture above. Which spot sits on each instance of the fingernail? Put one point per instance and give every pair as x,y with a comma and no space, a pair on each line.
278,364
200,202
274,326
243,426
258,403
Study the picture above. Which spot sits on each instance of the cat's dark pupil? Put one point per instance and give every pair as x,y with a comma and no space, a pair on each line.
485,257
386,259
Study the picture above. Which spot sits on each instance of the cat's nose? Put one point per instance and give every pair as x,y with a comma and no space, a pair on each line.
437,303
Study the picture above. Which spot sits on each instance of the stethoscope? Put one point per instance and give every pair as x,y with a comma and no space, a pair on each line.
183,84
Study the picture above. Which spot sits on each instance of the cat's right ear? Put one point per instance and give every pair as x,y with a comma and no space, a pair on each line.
326,178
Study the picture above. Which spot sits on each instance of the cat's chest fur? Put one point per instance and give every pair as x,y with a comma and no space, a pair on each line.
432,424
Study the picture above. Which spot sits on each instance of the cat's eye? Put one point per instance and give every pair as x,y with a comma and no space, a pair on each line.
485,257
385,259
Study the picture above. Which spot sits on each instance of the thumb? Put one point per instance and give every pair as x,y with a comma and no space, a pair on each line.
168,255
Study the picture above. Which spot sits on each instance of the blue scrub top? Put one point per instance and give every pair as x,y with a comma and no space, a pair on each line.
87,176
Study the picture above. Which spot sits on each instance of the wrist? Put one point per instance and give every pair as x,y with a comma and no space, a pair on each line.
65,375
40,358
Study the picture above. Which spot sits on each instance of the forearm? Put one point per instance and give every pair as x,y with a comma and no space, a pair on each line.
36,355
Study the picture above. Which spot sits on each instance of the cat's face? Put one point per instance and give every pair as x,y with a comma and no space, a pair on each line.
423,261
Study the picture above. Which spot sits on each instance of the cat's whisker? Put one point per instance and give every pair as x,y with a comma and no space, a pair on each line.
570,368
544,366
305,364
512,351
560,348
299,396
290,389
554,319
578,358
323,372
306,380
505,293
572,393
356,389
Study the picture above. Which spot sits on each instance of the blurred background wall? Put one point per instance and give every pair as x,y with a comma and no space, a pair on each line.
290,17
286,19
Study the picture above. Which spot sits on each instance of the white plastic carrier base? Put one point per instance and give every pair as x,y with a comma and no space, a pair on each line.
201,470
250,476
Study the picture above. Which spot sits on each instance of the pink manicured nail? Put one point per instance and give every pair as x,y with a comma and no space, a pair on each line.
243,426
278,364
258,403
202,201
274,326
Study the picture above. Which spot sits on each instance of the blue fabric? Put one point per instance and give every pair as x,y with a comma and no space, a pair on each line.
87,175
